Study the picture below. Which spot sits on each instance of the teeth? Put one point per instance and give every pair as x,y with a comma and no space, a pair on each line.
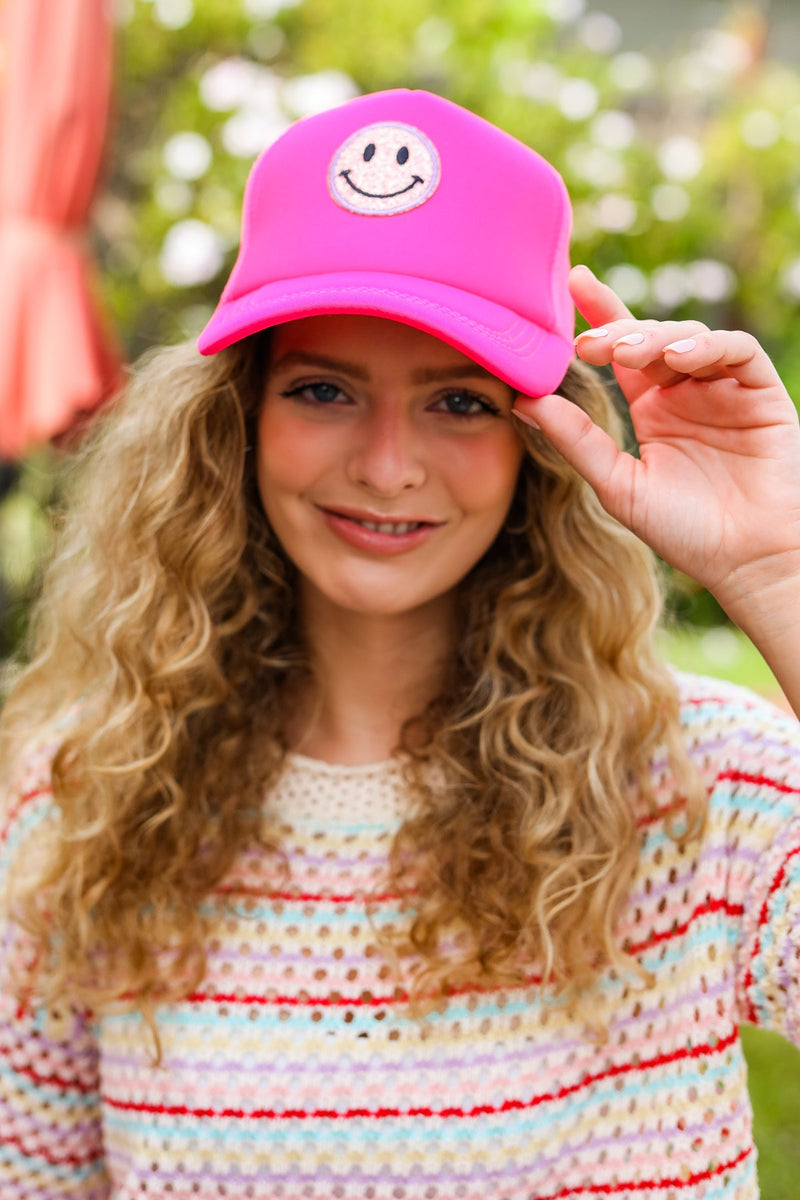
390,527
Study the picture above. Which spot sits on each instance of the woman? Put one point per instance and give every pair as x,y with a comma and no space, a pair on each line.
357,843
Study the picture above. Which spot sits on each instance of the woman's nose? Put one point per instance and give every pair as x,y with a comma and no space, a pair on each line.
388,458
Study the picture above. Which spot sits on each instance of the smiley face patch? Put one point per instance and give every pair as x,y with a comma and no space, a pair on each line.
384,169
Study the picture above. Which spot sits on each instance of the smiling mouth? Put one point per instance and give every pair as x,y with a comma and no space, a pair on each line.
381,195
395,528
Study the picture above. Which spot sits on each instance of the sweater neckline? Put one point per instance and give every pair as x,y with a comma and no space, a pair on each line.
319,766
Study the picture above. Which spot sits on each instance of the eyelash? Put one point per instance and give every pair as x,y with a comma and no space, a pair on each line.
486,406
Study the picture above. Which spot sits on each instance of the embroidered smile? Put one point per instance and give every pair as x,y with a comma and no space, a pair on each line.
381,195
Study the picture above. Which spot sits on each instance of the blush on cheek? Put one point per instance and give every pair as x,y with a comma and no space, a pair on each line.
486,471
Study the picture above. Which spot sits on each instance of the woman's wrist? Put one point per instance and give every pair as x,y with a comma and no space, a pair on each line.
763,599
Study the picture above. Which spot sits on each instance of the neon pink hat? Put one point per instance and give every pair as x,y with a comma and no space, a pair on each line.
402,204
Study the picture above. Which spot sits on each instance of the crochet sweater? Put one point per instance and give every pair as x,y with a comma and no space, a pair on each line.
295,1071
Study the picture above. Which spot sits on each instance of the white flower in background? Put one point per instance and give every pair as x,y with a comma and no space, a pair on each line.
254,93
186,155
308,94
629,282
721,646
597,166
680,157
192,253
711,281
723,52
600,32
691,75
670,285
541,81
614,212
631,71
613,130
249,132
564,11
760,128
173,14
790,279
268,8
433,37
511,72
670,201
577,99
228,83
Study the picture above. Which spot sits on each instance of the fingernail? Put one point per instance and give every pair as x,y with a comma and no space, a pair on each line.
524,417
593,333
630,339
682,347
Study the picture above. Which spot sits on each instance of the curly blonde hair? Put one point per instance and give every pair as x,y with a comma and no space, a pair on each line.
165,631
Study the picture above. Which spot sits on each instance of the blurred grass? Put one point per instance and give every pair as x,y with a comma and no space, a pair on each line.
773,1064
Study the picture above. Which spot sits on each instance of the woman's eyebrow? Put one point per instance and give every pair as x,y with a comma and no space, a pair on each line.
422,375
467,370
298,358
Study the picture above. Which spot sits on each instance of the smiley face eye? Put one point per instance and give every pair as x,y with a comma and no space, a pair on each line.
402,155
369,151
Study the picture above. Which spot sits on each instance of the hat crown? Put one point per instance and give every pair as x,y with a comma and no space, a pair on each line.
403,204
497,206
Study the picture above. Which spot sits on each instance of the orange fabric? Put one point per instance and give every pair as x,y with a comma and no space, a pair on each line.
58,358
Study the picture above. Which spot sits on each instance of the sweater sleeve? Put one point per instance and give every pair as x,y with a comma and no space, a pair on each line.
51,1141
769,974
749,752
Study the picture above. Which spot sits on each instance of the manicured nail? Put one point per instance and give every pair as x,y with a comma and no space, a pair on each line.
630,339
593,333
524,417
682,347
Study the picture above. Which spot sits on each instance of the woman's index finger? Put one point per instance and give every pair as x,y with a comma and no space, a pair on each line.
595,301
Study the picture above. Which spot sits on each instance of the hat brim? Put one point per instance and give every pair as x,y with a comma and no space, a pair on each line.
531,359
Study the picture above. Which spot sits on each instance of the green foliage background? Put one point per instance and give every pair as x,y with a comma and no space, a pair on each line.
706,226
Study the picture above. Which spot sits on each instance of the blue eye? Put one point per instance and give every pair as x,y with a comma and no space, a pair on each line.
323,392
467,404
402,155
369,151
315,393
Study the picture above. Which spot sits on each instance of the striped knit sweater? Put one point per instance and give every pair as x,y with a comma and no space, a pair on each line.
295,1072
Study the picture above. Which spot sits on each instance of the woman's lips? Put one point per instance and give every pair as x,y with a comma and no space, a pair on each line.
379,536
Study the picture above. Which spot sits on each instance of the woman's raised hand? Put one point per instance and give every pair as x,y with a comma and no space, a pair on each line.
716,490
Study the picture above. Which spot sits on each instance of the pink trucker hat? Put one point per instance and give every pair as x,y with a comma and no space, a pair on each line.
401,204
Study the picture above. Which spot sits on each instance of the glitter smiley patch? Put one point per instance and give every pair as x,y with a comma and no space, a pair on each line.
384,169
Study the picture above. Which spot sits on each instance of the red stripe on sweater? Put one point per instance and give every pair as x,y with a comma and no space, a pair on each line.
763,918
54,1081
705,1050
646,1185
64,1160
20,806
777,785
709,906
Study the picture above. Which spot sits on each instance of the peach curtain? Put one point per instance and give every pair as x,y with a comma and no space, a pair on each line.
58,360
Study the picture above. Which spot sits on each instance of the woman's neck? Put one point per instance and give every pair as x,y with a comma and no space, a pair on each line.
371,673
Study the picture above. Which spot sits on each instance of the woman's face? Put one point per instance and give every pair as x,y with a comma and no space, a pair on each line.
387,460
